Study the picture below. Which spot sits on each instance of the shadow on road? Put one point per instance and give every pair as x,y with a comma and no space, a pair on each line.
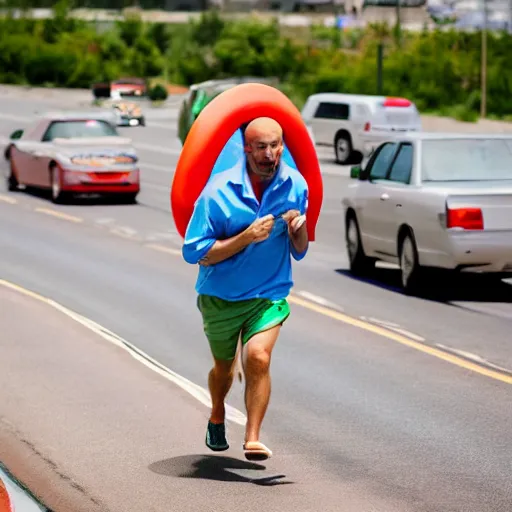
79,199
442,287
213,467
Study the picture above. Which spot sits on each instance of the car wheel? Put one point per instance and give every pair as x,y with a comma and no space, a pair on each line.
359,263
343,149
58,195
12,181
410,270
129,198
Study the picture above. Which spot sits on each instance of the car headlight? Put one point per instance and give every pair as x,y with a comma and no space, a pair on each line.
103,160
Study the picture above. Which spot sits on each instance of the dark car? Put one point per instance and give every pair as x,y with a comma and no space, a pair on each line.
201,94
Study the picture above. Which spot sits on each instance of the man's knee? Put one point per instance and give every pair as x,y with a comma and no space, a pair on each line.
257,359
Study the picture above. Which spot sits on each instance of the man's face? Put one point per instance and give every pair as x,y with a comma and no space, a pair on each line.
263,154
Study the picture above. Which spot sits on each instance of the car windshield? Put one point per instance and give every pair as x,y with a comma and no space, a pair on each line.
466,159
79,129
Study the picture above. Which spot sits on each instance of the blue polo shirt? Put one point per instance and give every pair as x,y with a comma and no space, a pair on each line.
224,209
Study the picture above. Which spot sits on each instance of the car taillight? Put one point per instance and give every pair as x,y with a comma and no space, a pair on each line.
465,218
367,127
397,102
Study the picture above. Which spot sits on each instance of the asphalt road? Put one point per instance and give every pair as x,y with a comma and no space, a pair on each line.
365,414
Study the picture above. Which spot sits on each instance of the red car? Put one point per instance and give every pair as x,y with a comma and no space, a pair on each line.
70,153
129,87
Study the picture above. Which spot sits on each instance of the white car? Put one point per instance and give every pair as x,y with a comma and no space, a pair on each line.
355,124
430,200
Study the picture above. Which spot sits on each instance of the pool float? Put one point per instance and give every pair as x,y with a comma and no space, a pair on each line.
215,143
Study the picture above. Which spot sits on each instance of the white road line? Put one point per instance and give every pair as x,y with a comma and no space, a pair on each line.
198,392
472,357
385,323
7,199
408,334
162,248
124,232
394,327
156,236
104,220
319,300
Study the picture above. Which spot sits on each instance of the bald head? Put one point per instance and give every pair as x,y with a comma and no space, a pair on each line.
263,127
263,146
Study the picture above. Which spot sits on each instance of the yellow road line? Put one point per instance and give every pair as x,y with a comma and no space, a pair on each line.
380,331
7,199
60,215
162,248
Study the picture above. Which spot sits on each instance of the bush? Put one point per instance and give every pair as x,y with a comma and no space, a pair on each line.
158,93
439,70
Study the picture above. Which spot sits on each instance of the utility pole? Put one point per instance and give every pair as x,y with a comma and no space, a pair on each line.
510,17
483,99
399,23
380,58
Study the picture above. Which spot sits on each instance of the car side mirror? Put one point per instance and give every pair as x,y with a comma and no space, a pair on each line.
355,172
16,134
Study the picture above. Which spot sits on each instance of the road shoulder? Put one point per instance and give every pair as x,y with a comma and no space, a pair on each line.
81,421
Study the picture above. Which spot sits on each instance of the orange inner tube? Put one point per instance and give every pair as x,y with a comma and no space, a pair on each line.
5,502
217,123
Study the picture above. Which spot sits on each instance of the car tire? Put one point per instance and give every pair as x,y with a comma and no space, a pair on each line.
129,198
411,273
58,196
343,148
12,181
359,263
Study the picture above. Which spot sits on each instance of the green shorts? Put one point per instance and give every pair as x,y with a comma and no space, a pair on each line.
224,321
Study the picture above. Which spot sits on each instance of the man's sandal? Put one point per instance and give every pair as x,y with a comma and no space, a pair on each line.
256,451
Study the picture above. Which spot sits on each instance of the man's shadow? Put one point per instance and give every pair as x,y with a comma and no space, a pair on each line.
214,467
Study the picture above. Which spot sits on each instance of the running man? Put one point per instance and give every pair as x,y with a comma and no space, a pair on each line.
246,223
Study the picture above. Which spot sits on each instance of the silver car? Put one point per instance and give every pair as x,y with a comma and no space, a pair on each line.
433,200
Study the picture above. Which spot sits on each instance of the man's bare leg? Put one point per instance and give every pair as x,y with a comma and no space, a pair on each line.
257,355
220,379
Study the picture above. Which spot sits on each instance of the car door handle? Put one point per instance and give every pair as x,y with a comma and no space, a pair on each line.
384,197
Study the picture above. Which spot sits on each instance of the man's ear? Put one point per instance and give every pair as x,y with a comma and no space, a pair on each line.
247,148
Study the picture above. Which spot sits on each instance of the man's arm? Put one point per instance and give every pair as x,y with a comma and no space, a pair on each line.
299,234
297,228
223,249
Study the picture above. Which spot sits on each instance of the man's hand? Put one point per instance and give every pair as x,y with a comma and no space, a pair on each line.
294,220
260,229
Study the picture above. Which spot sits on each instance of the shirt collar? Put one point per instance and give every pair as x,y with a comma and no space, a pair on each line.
241,178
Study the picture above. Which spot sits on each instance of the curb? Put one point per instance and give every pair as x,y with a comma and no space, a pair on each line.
15,497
